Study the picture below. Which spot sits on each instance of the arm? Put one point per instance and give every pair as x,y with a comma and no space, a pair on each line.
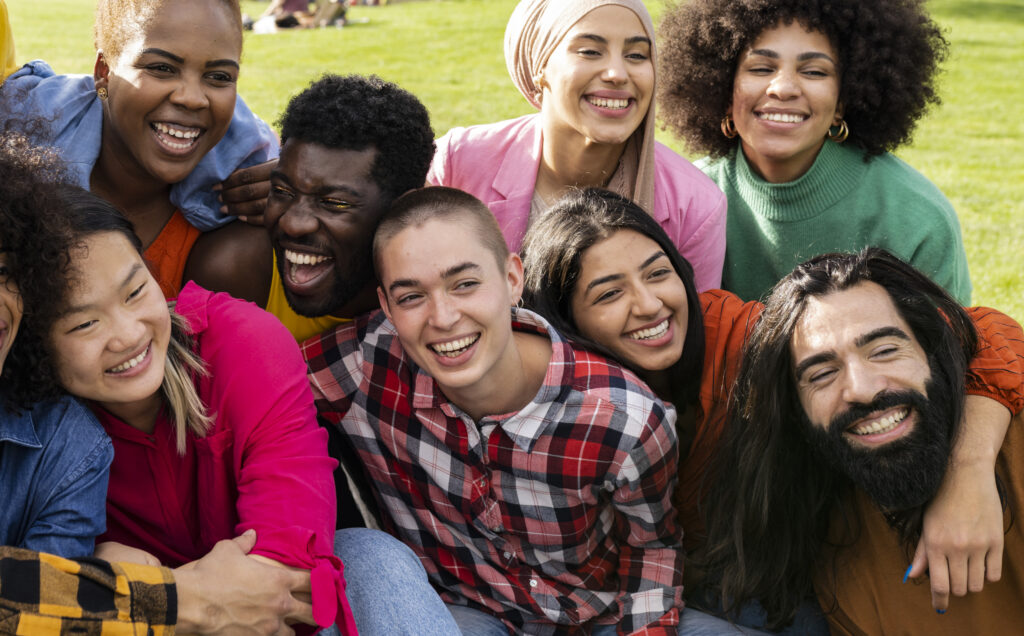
962,539
237,259
650,568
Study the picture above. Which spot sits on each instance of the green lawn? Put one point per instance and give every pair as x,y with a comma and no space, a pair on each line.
449,53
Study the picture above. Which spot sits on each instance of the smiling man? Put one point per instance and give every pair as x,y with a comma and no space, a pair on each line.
350,146
848,407
532,478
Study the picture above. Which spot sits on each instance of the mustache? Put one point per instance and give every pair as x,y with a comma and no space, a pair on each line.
307,242
884,400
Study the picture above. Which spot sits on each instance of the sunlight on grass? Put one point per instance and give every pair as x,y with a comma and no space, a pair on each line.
449,53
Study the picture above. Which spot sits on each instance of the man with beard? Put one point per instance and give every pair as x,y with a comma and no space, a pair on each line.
845,414
350,145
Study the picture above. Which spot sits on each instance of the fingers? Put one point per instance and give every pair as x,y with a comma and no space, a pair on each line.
246,541
938,572
252,174
994,561
920,563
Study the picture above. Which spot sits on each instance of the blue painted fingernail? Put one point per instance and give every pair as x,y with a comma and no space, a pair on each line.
938,611
907,573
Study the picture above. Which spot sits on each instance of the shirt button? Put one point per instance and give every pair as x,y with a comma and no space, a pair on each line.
482,483
496,529
507,554
533,582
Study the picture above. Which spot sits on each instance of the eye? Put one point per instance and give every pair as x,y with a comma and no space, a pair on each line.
136,292
82,326
160,68
408,299
820,376
884,351
588,53
637,57
607,295
660,273
815,73
466,285
278,191
337,205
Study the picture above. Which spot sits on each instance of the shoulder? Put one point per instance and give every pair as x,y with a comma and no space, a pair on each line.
486,139
342,353
898,177
598,379
70,433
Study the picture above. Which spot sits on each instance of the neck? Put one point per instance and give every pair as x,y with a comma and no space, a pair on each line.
140,415
569,160
523,368
659,382
780,171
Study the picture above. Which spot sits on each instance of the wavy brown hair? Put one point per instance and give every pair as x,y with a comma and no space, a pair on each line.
889,54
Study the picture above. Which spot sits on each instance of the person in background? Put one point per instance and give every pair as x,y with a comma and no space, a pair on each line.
848,405
589,68
799,105
157,126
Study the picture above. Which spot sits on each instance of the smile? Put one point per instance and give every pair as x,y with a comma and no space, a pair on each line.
455,348
784,118
650,333
883,425
303,266
613,104
130,364
168,134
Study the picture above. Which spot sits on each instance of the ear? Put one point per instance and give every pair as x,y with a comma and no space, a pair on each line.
100,70
382,298
514,273
839,114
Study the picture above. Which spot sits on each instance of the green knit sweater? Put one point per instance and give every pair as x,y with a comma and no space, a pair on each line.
841,204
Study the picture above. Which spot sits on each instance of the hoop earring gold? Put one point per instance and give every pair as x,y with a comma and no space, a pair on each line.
841,135
729,127
101,93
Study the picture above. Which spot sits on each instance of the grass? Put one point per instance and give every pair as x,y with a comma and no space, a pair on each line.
449,53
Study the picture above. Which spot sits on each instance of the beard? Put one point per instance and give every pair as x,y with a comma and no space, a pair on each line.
349,280
902,474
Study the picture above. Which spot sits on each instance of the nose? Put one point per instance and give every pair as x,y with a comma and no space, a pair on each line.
861,383
783,85
127,332
297,219
646,302
615,70
443,313
189,93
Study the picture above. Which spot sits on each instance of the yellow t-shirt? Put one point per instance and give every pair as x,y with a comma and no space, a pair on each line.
301,327
7,65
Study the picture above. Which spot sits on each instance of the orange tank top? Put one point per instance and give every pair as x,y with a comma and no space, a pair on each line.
168,253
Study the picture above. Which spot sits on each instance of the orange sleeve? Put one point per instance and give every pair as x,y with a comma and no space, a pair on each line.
997,369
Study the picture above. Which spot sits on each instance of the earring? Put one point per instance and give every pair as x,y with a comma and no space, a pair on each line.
840,136
101,93
729,127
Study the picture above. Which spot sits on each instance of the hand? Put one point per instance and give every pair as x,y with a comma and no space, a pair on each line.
244,193
227,592
113,551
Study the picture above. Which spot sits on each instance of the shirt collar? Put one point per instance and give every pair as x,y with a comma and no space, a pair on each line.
18,427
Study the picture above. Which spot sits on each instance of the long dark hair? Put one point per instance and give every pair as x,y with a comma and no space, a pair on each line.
553,249
771,499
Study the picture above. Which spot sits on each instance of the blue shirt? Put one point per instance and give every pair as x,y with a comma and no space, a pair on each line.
54,463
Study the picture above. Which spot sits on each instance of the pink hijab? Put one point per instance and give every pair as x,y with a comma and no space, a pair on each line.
534,30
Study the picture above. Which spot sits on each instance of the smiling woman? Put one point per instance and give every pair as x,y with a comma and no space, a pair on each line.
589,67
158,124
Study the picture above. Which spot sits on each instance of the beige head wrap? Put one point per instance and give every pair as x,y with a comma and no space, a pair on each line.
531,36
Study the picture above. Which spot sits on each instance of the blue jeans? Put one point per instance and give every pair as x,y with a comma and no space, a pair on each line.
474,622
387,587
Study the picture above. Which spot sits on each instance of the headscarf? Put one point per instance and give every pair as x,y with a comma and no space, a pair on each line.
534,30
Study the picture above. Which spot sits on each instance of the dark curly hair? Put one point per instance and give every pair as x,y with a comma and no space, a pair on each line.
35,237
354,113
889,53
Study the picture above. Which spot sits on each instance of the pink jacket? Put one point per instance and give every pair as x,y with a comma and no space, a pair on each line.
497,163
262,465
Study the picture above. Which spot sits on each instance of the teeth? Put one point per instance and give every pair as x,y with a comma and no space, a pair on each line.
650,333
299,258
785,118
175,132
130,364
883,425
455,347
602,102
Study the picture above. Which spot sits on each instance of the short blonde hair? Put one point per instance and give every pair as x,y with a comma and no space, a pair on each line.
117,21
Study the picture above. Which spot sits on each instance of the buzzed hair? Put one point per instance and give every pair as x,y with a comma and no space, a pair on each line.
439,203
117,21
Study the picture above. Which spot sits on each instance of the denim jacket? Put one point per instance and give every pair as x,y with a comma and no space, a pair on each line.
54,463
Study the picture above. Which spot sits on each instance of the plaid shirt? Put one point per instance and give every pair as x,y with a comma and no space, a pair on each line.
549,517
45,594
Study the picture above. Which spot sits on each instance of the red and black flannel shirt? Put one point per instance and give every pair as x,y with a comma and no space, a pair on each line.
553,517
45,594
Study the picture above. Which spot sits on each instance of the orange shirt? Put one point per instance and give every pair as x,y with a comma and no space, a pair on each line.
168,253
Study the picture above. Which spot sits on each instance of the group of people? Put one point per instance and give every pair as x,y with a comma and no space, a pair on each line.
549,418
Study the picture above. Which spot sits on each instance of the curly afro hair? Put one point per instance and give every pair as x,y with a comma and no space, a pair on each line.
354,113
889,53
35,237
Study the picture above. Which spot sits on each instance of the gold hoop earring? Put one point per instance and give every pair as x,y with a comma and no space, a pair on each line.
101,93
729,127
841,135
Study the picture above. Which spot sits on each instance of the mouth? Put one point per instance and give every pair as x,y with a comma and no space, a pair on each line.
880,426
303,268
782,118
609,103
454,348
175,138
130,364
650,333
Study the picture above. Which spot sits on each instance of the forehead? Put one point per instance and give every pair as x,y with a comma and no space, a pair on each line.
624,249
609,21
100,260
306,161
203,28
424,251
834,322
793,39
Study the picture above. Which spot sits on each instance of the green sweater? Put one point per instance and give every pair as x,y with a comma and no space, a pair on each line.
840,205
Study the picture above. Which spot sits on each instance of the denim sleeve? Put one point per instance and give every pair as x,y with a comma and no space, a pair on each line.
71,508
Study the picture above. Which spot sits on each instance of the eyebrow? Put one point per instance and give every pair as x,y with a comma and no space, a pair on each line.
803,57
636,39
828,356
180,60
452,271
607,279
127,279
